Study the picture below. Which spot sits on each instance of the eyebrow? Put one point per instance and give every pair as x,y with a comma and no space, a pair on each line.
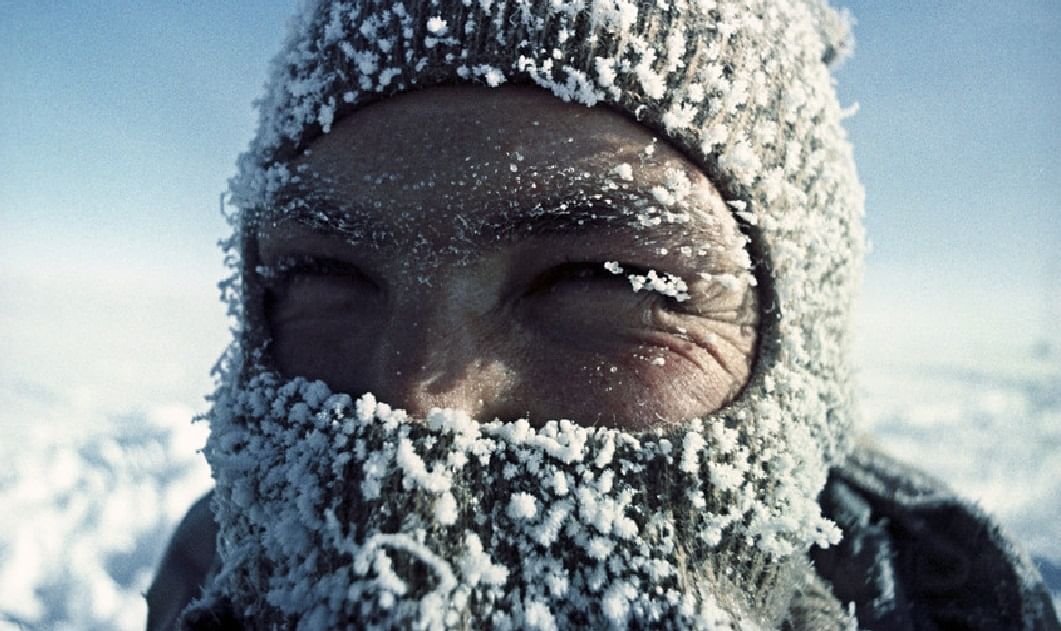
570,215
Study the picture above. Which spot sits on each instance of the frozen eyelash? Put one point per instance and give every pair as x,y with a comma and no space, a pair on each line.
279,274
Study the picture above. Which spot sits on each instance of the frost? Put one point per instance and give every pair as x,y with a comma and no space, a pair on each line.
662,195
691,446
680,116
416,472
522,506
675,189
599,548
653,83
605,72
436,26
378,543
326,116
477,565
613,267
565,489
668,284
616,603
560,484
624,171
728,282
446,509
537,615
726,476
494,77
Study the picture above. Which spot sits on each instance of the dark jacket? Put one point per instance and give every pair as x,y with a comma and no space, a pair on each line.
914,556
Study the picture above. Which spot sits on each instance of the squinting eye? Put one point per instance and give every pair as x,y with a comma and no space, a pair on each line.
585,304
319,290
295,270
581,273
578,301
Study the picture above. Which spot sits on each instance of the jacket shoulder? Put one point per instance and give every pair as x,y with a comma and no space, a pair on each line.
188,560
916,556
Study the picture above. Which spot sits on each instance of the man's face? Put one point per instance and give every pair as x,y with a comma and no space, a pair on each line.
500,253
480,249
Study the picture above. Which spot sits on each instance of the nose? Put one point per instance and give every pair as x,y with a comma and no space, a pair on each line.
438,357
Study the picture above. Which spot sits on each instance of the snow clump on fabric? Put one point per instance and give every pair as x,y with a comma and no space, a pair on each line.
338,511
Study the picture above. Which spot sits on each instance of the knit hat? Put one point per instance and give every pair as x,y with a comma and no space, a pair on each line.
743,89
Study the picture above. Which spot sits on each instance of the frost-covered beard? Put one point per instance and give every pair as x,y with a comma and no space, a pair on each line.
340,512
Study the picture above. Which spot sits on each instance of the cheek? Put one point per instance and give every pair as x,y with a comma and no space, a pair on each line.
323,329
602,354
636,380
329,351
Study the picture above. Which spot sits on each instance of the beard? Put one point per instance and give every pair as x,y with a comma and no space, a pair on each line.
340,512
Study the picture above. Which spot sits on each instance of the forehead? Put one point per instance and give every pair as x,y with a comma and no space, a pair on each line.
443,163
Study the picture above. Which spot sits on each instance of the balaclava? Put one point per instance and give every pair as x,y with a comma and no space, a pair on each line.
335,509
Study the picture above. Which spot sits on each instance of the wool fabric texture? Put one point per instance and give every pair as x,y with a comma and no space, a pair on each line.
743,89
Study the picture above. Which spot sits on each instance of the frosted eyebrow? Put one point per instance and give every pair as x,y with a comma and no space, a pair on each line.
564,218
322,214
570,216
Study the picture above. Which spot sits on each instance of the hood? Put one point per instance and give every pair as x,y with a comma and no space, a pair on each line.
744,90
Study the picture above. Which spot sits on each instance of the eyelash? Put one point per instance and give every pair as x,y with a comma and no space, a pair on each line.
278,276
571,269
581,270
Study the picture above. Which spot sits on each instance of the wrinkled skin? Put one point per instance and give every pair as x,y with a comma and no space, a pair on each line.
446,248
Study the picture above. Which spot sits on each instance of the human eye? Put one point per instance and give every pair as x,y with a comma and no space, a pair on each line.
583,300
580,276
628,281
289,270
306,289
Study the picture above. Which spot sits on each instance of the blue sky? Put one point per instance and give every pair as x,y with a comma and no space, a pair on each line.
957,140
121,121
959,128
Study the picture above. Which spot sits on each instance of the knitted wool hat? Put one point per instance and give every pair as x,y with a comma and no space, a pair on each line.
743,89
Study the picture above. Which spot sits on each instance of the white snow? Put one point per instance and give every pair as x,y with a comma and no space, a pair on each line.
436,26
522,506
668,284
89,505
624,171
